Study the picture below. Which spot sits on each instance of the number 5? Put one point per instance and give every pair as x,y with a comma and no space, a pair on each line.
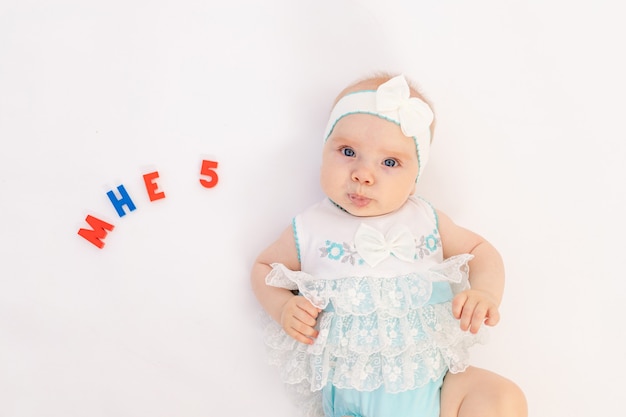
208,170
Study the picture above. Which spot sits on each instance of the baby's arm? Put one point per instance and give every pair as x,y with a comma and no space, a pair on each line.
295,314
479,304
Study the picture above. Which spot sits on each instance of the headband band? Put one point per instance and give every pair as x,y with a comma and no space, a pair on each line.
392,102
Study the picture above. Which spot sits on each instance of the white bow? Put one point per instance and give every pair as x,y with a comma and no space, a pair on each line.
374,247
414,115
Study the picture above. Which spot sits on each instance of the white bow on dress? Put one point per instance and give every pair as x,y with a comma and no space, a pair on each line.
374,247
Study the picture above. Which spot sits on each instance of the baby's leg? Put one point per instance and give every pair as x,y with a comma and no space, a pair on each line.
480,393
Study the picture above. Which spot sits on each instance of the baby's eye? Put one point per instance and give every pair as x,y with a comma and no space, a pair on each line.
348,152
389,162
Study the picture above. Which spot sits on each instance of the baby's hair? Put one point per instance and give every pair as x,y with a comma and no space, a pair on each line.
373,81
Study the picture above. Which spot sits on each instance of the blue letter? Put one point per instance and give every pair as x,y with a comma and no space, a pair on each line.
124,201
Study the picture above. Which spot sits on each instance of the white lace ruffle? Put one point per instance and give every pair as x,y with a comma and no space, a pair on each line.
376,331
364,295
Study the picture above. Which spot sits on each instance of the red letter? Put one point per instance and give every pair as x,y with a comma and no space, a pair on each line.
152,187
208,170
97,232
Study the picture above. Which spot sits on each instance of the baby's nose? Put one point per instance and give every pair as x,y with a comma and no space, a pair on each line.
363,174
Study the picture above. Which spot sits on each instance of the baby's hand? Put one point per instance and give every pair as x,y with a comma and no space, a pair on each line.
298,318
473,308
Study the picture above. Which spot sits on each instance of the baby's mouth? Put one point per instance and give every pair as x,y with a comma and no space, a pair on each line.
359,200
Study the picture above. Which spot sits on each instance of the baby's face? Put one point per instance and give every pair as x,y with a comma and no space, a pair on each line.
368,166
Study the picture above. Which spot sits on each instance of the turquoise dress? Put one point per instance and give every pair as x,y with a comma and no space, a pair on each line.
387,336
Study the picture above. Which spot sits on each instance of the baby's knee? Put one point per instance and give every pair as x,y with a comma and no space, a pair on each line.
513,401
507,400
480,393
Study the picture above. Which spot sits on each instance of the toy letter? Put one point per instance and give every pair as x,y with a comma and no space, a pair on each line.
120,203
152,187
98,231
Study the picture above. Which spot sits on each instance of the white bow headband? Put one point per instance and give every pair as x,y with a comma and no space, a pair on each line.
392,101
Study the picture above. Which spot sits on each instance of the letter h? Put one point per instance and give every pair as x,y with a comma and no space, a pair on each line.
119,204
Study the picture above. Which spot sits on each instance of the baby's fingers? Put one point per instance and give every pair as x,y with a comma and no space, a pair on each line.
457,305
477,318
473,309
299,318
305,311
301,332
493,317
464,309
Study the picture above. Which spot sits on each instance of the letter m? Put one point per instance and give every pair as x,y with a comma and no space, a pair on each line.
98,231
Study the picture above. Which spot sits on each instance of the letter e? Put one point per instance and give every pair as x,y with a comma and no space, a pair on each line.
152,188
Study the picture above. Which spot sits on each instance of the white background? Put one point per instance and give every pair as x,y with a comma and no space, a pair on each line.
529,152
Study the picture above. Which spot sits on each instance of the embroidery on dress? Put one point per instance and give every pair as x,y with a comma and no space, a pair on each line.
346,252
428,244
340,252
